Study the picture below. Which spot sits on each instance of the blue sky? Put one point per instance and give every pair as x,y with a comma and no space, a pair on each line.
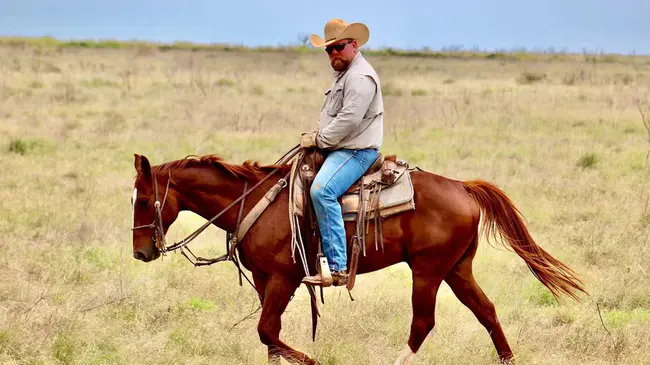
621,26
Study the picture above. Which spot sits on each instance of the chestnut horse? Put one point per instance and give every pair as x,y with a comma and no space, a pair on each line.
438,240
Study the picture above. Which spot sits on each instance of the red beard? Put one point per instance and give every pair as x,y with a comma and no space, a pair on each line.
339,64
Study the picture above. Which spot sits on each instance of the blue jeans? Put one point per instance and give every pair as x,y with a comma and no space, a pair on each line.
339,171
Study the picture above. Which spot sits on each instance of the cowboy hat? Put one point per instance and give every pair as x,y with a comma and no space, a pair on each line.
337,29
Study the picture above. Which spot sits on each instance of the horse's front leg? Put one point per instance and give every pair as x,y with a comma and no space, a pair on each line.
278,292
260,285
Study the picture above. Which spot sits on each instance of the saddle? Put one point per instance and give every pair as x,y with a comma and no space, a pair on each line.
387,177
384,190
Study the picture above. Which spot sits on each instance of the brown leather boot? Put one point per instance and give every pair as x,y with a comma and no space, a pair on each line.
339,278
313,279
318,279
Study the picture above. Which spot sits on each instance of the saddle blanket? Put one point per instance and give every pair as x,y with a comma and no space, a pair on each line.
397,198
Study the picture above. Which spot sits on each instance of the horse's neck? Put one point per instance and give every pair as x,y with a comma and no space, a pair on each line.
207,193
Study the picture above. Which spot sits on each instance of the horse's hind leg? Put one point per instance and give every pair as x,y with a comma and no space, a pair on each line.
462,282
423,298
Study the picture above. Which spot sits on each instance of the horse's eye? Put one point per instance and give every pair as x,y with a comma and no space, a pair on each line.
143,202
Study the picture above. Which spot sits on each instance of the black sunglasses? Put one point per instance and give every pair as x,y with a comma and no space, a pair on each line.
338,47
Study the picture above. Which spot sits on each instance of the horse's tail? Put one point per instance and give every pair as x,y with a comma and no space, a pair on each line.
501,219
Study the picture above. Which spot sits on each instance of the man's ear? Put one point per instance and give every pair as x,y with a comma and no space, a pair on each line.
142,166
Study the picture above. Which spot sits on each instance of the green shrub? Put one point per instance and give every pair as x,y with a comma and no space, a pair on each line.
588,160
224,82
36,84
388,89
19,146
418,92
201,304
23,146
530,77
63,348
98,83
539,295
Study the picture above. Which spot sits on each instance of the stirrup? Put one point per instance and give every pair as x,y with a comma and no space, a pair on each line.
324,270
324,276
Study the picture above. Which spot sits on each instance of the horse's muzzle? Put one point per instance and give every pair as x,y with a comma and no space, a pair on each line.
140,256
145,255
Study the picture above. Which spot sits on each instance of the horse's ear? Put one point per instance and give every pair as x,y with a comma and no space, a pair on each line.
142,166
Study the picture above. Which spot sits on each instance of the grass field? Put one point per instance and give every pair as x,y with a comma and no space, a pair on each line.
565,139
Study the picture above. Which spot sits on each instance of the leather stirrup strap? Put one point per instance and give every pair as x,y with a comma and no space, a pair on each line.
358,240
354,263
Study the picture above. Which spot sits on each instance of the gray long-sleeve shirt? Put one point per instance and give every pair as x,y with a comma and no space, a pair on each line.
352,114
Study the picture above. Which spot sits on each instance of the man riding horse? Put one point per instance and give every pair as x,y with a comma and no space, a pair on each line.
438,241
350,133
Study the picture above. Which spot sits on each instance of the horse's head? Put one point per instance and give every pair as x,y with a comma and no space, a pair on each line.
155,208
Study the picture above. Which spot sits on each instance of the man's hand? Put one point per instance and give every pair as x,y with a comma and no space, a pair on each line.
308,140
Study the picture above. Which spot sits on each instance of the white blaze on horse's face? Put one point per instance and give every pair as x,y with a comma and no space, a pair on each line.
135,195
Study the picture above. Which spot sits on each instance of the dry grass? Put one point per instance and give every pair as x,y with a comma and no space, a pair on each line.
569,148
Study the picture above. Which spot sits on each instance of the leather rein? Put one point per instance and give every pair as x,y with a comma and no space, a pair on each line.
231,238
157,224
230,255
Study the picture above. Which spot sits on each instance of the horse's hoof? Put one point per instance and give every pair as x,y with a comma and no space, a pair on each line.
308,361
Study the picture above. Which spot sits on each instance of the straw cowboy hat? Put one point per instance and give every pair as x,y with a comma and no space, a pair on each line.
337,29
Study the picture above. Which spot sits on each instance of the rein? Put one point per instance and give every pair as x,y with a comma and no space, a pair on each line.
157,224
159,232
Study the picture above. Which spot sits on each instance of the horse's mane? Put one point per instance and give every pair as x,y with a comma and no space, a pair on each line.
248,169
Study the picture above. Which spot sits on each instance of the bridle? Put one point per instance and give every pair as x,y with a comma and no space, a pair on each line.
158,227
231,237
157,224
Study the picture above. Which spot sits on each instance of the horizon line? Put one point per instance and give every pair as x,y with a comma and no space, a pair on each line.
453,48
